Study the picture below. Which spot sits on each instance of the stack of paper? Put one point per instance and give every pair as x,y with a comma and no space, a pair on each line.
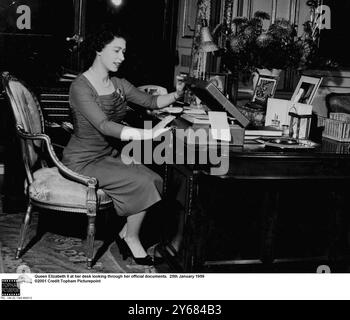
193,111
264,132
196,118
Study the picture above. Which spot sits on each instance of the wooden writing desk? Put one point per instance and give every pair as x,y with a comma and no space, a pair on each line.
274,174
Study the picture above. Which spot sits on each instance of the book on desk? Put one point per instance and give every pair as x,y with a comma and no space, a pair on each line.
267,131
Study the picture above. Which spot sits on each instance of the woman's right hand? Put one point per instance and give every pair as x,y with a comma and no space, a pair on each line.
129,133
160,128
164,122
159,132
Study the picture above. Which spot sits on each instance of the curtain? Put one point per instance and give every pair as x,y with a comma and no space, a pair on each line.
203,13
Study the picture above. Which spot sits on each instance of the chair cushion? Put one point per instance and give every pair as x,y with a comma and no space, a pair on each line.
50,187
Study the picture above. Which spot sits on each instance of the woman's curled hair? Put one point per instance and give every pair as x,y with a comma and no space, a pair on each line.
98,40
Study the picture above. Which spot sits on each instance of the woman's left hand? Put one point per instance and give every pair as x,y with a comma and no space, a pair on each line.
167,99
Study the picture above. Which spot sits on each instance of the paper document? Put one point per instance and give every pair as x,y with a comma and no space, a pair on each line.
196,119
264,131
194,111
220,129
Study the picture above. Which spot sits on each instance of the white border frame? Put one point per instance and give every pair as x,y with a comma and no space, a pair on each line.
315,81
269,94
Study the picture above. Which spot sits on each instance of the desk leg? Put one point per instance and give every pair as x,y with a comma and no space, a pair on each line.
186,261
339,242
188,241
196,225
165,180
269,221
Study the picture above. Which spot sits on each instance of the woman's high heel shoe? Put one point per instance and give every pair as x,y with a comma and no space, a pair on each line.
126,252
123,248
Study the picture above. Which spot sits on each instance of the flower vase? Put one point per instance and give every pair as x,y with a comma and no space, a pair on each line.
255,111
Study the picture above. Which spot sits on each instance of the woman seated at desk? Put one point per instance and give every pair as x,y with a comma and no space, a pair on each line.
99,103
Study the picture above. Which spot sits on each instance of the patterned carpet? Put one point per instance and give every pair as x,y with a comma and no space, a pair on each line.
56,253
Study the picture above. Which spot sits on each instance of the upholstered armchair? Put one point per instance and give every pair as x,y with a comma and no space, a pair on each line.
49,184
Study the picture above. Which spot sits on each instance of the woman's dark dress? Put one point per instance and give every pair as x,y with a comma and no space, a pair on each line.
133,187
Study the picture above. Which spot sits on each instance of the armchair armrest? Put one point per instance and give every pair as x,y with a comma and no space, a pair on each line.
65,171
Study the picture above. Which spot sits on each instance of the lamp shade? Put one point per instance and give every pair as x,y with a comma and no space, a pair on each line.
207,44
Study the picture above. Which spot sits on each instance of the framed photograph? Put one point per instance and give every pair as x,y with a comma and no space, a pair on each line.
220,80
306,89
277,115
265,88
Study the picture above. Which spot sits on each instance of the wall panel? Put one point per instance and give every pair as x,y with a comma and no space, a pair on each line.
294,10
283,8
258,5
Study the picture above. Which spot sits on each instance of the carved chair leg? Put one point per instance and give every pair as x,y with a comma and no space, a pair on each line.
90,240
24,228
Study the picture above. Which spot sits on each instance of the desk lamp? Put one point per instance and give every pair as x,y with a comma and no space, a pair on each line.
207,44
